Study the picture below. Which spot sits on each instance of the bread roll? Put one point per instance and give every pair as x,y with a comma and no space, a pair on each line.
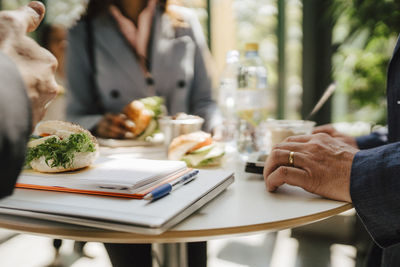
184,143
62,130
137,112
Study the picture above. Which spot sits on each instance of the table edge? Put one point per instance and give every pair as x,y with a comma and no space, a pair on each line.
100,235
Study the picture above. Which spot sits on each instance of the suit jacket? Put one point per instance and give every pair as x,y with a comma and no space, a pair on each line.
15,126
375,177
177,63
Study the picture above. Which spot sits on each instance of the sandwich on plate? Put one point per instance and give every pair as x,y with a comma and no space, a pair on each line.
59,146
144,114
197,149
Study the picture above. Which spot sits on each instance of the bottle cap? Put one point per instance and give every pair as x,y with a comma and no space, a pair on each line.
251,47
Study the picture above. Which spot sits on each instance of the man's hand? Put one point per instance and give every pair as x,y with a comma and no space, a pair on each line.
321,165
36,65
328,129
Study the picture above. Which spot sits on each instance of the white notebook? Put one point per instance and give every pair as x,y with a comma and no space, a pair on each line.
123,175
121,214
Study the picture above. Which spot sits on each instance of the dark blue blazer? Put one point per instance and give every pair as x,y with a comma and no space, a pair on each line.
375,177
15,124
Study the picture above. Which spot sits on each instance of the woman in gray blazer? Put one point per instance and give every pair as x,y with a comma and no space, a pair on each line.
104,72
108,67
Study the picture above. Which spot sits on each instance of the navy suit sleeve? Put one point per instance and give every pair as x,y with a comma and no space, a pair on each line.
375,139
374,189
15,126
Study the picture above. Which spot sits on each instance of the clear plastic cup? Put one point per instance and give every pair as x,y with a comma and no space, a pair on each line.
173,126
279,130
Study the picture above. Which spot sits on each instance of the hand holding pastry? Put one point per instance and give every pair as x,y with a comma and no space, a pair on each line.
115,126
144,114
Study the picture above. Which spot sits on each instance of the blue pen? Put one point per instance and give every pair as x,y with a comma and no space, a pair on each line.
164,189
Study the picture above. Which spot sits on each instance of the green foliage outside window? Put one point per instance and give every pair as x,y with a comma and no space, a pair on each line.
366,33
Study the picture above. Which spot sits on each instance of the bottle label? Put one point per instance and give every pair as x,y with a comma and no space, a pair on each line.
253,106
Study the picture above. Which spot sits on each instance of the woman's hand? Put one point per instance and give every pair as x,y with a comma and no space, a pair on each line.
328,129
36,65
318,163
115,126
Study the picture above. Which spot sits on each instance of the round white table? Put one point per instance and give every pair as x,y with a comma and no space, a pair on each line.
245,207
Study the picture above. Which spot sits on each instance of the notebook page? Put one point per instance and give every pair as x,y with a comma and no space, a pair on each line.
119,172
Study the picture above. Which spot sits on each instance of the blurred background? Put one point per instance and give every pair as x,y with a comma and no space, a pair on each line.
304,46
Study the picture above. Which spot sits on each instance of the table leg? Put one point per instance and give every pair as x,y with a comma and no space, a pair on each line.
174,254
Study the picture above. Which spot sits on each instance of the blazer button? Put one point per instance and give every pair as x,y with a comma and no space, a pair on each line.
114,93
149,81
181,84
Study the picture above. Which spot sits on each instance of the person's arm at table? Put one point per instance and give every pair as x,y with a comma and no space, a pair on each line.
374,189
328,167
81,103
15,123
82,107
27,85
374,139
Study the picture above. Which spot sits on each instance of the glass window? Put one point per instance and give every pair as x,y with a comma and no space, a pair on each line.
237,22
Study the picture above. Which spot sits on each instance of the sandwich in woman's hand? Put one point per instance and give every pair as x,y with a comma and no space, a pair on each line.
197,149
144,114
59,146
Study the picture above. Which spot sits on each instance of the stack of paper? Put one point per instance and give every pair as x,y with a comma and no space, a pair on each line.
123,177
120,214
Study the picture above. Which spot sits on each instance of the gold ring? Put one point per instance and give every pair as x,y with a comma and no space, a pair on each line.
291,158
